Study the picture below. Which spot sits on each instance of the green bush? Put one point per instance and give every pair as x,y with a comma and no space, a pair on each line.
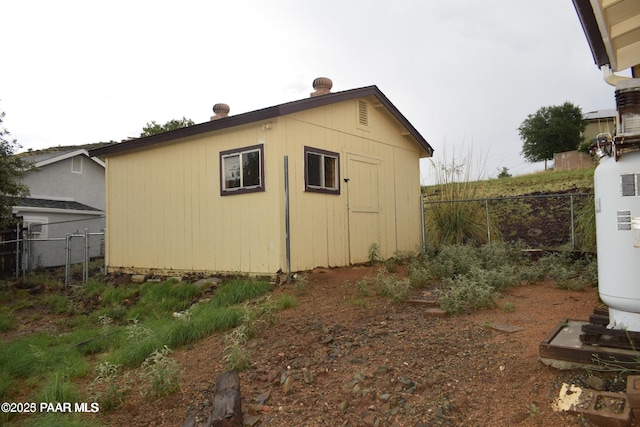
465,292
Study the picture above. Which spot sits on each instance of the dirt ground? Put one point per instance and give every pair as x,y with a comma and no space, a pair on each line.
340,359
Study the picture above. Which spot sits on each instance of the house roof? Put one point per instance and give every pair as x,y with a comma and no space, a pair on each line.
45,157
612,28
53,205
609,113
265,114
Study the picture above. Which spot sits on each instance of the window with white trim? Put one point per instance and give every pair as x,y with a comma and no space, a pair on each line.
36,228
242,170
76,164
321,171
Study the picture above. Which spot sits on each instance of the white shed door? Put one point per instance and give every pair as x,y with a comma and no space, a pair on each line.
364,206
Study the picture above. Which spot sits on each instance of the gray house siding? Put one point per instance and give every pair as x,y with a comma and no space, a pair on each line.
67,197
59,180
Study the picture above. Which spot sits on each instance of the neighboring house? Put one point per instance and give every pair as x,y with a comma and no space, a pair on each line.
213,197
66,197
600,121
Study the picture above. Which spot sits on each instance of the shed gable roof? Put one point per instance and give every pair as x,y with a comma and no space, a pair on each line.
265,114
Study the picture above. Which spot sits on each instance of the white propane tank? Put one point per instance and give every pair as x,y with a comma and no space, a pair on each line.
617,199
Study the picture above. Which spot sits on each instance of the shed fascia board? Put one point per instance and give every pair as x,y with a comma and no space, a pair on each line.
612,28
592,32
265,114
68,155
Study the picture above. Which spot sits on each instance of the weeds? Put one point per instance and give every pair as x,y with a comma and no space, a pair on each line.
392,287
108,388
235,355
374,254
508,307
385,284
465,292
161,373
586,225
7,319
451,217
533,410
285,301
301,286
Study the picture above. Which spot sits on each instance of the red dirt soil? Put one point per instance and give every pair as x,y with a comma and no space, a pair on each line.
341,359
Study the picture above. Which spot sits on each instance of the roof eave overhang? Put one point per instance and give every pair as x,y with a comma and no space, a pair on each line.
32,209
612,28
592,32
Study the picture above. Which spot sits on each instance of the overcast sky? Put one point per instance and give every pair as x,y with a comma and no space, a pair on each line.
465,73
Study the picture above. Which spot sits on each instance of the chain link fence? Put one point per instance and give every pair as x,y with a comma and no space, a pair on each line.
27,248
539,221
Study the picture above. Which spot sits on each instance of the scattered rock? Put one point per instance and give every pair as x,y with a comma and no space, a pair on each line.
434,312
138,278
505,328
595,382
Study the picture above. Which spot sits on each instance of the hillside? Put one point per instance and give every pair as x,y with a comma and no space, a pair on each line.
557,215
545,182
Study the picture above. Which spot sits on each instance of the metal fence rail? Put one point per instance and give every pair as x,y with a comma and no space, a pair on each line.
32,252
538,220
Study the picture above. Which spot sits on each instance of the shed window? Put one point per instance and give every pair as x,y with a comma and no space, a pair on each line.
321,171
242,170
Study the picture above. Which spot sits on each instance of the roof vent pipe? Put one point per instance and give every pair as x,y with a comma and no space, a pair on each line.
322,86
220,111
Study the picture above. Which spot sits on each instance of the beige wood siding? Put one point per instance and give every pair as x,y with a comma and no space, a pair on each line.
165,211
322,232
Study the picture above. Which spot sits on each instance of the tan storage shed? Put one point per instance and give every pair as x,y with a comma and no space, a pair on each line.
213,197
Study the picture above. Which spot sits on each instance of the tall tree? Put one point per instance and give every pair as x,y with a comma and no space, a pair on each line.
551,130
154,128
12,168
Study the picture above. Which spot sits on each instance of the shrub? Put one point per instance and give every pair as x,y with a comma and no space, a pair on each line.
465,292
419,275
452,216
392,287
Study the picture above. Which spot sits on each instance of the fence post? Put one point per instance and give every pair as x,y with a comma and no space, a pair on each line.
85,269
486,212
67,260
17,250
573,233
